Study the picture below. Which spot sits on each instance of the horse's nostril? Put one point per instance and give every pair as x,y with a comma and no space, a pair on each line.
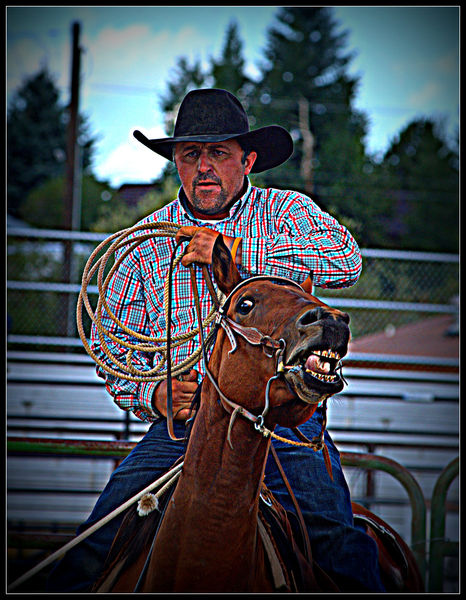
310,316
316,314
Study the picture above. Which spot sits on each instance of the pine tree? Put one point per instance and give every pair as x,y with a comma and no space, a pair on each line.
185,77
420,175
36,138
306,88
228,71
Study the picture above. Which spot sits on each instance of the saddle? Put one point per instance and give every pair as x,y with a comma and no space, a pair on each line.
398,569
286,549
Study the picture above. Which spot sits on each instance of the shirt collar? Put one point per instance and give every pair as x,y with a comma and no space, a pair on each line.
234,209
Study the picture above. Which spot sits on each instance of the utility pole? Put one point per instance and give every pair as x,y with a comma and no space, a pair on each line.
72,185
72,154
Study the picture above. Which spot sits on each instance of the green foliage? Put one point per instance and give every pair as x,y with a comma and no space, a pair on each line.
33,261
116,215
421,179
36,138
305,86
410,200
228,71
184,78
44,206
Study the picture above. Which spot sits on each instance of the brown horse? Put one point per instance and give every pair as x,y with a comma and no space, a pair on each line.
274,360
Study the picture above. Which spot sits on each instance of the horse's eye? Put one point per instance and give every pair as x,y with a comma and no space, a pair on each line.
245,305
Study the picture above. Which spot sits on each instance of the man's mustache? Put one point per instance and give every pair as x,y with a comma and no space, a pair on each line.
206,177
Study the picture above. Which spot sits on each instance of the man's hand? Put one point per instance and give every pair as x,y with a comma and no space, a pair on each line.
202,242
182,396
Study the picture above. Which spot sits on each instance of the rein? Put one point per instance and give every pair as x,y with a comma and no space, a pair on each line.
255,337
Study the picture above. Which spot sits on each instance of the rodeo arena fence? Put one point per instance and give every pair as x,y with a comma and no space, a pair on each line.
396,422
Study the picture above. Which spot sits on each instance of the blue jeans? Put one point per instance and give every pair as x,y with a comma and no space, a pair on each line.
345,552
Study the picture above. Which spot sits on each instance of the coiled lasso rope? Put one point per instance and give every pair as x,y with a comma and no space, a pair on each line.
127,370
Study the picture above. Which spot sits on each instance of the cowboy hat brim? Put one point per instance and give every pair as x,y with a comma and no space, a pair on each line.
273,144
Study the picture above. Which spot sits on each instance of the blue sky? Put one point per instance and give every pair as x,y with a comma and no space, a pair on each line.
407,59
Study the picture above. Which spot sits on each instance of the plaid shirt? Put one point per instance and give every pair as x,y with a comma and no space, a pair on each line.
283,233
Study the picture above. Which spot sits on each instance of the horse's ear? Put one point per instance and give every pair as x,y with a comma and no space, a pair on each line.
307,284
225,272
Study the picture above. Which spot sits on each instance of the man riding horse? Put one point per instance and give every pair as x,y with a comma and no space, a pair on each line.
269,232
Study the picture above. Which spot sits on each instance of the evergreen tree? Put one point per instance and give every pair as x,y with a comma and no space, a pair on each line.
419,174
185,77
228,71
306,88
36,138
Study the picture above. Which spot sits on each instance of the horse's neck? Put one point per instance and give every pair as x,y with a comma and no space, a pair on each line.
212,516
231,474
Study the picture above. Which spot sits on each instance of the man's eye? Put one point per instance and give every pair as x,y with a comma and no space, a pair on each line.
245,305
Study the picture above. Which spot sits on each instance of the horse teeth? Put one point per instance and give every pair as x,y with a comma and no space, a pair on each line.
322,377
327,354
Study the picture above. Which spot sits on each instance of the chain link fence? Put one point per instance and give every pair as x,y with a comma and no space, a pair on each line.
44,277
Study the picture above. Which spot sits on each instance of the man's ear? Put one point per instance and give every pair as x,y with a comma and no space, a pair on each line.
224,269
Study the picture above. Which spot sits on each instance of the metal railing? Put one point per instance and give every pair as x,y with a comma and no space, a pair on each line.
416,497
122,429
395,287
112,449
439,547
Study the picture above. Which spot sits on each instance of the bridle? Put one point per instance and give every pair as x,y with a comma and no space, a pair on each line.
251,334
273,348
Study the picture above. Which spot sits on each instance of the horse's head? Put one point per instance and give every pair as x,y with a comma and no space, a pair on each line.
314,340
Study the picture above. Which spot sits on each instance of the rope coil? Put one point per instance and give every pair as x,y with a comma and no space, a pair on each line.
116,367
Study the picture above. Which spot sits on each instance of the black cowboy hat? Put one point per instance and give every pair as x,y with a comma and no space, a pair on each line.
213,115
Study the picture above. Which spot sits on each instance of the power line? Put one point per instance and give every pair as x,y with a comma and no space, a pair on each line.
277,101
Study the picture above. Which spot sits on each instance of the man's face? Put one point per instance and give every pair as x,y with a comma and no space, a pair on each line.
212,173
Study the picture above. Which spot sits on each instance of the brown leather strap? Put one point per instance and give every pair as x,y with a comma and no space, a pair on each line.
170,428
253,335
300,435
210,286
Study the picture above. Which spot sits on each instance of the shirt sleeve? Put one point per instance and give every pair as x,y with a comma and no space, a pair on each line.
303,241
125,299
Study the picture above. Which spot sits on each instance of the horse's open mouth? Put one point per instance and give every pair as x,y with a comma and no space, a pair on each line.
313,374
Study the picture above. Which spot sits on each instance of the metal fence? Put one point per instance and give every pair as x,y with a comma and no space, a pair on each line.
395,289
